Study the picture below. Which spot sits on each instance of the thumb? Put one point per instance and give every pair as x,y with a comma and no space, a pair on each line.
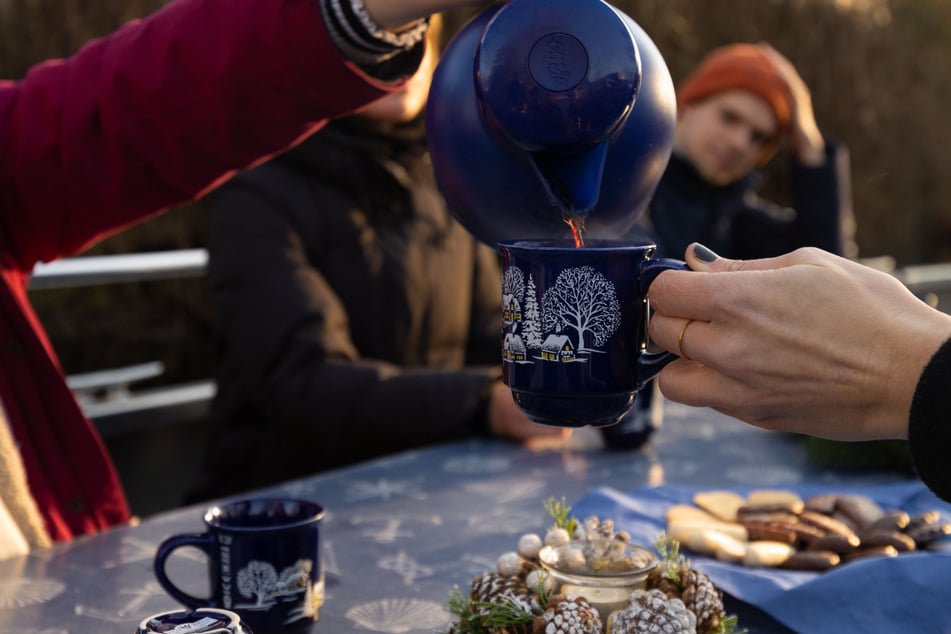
702,258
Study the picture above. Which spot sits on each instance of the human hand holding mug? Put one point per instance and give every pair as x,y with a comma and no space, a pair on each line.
806,342
263,563
575,327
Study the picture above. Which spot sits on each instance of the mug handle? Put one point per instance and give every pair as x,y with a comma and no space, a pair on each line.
204,542
651,363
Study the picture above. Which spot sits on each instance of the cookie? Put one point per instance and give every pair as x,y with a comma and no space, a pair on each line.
721,504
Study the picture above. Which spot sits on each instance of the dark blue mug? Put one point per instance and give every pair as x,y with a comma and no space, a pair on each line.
574,324
263,562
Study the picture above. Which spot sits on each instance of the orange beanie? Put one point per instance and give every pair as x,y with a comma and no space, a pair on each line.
739,67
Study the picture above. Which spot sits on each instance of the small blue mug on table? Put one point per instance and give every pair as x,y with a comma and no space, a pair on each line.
263,563
575,327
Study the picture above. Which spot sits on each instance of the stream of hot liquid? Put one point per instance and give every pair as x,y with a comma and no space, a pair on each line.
576,224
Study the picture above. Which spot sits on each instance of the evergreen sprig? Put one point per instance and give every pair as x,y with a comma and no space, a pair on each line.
729,625
505,613
477,617
461,606
543,595
561,513
671,559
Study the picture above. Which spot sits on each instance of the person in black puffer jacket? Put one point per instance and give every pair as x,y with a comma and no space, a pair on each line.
356,317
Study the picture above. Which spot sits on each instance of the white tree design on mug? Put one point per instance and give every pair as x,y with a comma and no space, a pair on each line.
531,317
582,300
257,580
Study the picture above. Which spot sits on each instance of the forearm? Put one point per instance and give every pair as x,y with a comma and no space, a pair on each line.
823,201
161,111
353,411
809,145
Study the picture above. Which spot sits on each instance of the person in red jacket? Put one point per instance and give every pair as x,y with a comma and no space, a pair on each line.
153,115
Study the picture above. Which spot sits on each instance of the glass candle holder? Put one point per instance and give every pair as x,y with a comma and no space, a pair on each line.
606,585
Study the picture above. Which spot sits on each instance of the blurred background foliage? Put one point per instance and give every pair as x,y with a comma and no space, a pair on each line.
879,70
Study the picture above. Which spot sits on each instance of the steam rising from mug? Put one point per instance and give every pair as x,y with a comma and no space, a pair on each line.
542,110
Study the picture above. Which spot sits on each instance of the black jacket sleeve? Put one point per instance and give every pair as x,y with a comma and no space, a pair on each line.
929,425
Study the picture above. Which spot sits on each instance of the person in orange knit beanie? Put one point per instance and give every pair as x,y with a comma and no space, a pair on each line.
735,110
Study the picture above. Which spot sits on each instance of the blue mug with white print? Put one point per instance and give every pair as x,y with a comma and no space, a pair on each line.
574,323
263,563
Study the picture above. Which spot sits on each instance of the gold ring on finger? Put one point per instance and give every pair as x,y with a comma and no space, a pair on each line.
680,340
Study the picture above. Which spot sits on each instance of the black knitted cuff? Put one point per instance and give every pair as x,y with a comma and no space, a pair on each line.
360,39
929,424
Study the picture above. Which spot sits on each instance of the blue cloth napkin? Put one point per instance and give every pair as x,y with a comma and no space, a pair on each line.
908,593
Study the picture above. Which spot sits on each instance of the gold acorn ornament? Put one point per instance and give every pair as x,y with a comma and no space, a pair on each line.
568,615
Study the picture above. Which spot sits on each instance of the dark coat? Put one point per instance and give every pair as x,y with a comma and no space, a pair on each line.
736,223
357,318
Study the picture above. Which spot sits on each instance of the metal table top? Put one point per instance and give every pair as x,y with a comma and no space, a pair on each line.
402,531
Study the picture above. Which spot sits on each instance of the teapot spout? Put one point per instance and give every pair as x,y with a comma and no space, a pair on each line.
572,182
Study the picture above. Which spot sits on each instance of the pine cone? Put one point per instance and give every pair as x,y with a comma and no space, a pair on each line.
696,591
703,599
491,587
568,615
658,579
652,611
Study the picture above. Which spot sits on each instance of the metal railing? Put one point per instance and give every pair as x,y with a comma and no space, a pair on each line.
109,400
160,265
107,269
107,396
926,278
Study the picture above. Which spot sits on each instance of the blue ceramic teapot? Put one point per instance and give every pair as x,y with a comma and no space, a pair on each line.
545,110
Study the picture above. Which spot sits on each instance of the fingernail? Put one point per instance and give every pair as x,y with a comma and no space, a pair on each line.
704,254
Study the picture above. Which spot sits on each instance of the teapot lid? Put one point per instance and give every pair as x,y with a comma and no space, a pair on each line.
557,74
200,621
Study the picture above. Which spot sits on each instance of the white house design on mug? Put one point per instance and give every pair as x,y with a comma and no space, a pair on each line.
259,581
576,317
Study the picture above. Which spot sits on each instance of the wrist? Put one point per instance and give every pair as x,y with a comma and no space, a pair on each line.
810,147
926,341
398,15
